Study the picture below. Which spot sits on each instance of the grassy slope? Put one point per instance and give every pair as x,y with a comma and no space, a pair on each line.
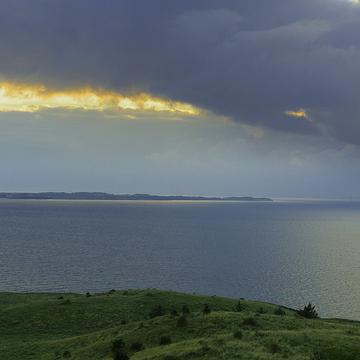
45,326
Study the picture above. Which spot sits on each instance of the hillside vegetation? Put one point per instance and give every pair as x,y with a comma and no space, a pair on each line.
153,324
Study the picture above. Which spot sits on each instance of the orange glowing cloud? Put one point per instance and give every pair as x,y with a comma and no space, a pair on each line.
300,113
32,98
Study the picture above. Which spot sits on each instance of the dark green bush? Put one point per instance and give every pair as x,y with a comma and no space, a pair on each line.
279,311
165,340
181,322
156,311
174,312
205,348
308,311
274,348
250,322
118,350
238,307
136,346
185,309
238,335
334,353
206,309
67,354
117,344
120,355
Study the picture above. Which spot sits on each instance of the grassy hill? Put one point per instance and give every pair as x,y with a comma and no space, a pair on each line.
151,325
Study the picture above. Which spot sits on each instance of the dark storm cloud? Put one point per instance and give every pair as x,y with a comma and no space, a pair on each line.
251,60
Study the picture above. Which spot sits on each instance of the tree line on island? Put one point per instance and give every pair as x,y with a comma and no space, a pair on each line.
107,196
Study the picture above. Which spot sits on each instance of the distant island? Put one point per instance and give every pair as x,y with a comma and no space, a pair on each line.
106,196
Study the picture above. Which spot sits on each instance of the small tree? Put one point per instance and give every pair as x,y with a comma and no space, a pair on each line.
174,312
249,322
206,309
157,311
308,311
136,346
120,355
117,344
185,309
238,307
165,340
118,350
67,354
238,334
181,322
274,348
279,311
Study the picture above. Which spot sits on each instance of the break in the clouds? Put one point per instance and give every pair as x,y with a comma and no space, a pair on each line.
256,61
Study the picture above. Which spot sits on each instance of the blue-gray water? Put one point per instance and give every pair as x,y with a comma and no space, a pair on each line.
282,252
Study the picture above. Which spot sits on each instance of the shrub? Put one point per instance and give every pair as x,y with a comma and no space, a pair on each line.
317,355
238,335
66,302
219,341
120,355
136,346
88,294
238,307
308,311
156,311
117,344
250,322
174,312
279,311
165,340
118,350
206,309
112,291
333,353
261,310
123,322
67,354
274,348
205,348
185,309
181,322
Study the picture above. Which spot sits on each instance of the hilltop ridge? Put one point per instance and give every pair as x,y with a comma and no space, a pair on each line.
162,325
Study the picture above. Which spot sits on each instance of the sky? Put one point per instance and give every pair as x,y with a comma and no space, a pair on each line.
200,97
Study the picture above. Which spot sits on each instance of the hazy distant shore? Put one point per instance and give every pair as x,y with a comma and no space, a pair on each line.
106,196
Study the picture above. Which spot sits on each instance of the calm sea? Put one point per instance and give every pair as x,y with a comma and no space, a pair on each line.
283,252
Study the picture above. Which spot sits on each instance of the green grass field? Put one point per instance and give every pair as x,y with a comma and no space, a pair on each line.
73,326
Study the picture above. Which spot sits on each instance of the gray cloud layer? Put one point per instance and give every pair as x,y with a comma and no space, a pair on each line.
250,60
